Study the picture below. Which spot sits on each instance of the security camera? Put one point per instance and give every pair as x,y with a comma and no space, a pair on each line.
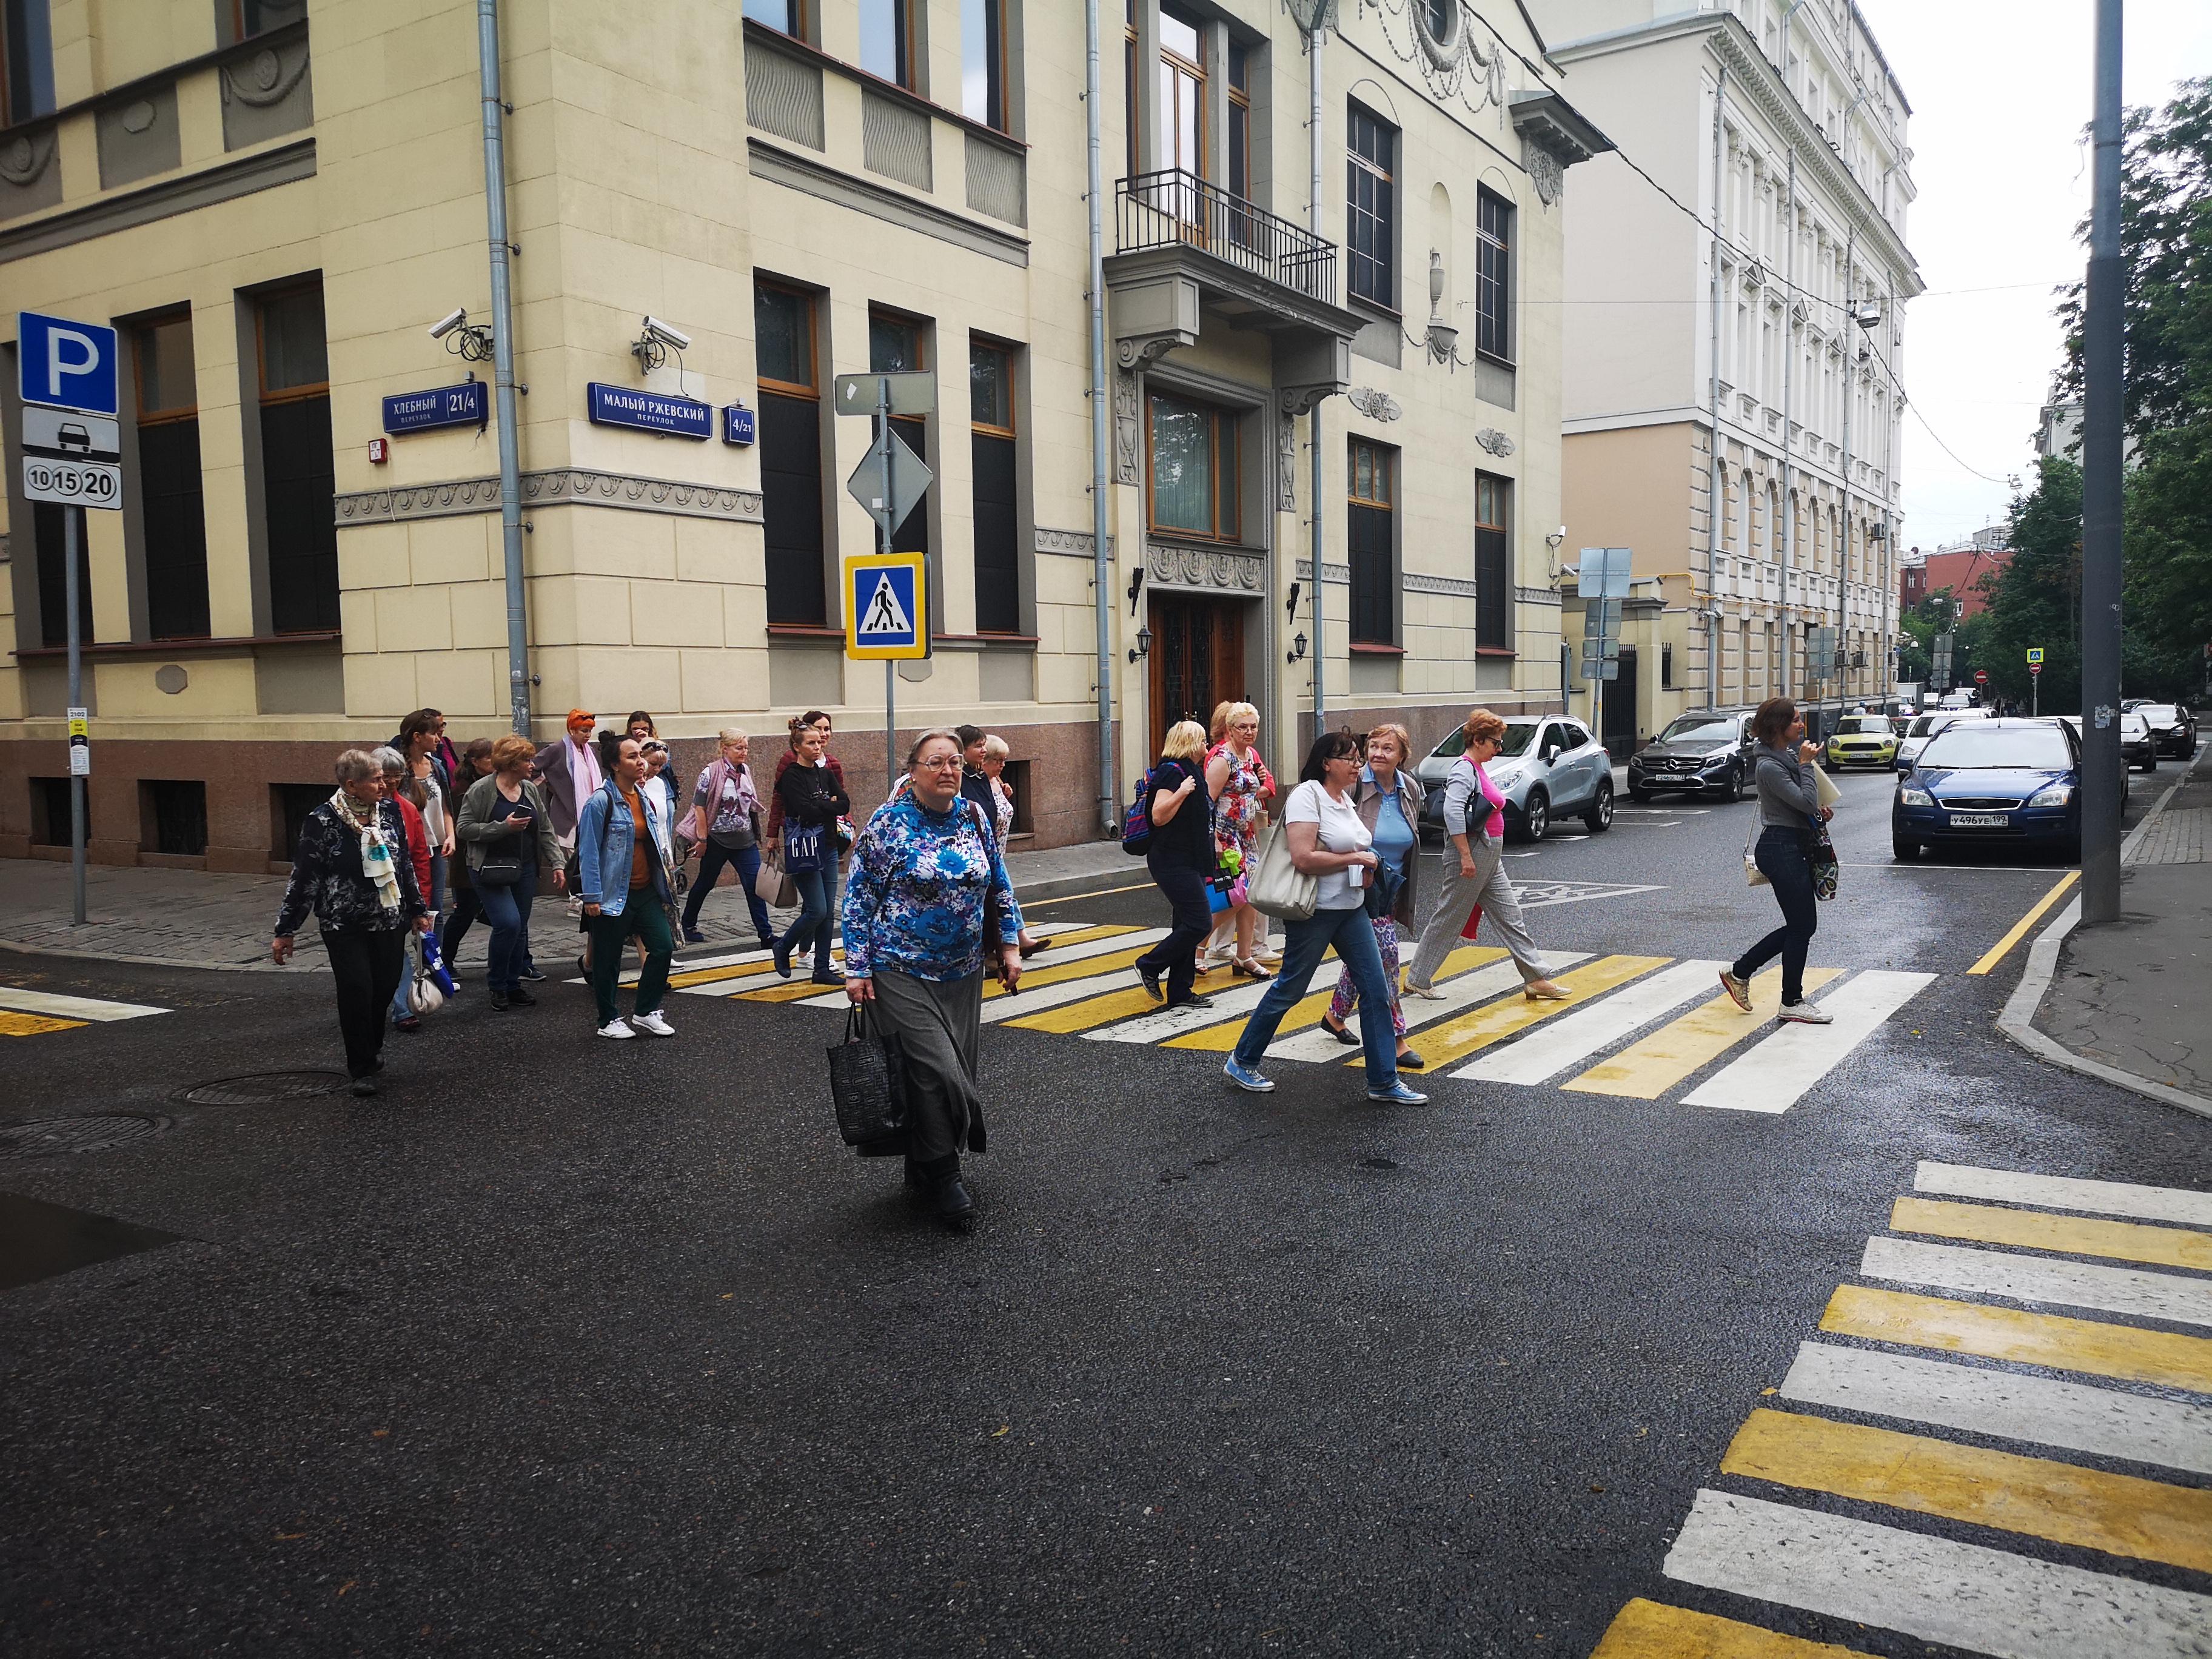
667,334
446,324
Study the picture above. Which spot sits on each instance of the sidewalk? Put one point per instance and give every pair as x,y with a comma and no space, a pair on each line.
187,919
2126,1000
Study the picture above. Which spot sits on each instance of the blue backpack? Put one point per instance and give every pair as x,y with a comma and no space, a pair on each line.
1136,821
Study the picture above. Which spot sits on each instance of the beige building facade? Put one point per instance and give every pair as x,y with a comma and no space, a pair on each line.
1761,311
274,202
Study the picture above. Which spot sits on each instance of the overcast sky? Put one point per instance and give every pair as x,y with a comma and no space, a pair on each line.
2001,95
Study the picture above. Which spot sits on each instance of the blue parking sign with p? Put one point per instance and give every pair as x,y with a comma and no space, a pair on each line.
65,364
886,599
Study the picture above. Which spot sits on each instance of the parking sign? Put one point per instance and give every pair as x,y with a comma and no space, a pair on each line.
65,364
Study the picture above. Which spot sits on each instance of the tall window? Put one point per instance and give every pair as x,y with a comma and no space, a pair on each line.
887,44
894,347
1367,534
27,54
787,15
251,17
1371,205
1193,467
1182,91
790,453
298,478
175,530
1493,563
1493,275
1240,121
998,534
1130,106
48,531
983,63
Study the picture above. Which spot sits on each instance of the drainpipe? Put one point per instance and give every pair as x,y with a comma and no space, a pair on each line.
1788,452
1101,580
1716,493
503,338
1313,223
1850,391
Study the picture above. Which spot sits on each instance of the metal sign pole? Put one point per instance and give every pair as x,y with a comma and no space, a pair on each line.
72,539
884,440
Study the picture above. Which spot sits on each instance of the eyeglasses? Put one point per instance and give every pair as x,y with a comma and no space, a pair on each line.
946,763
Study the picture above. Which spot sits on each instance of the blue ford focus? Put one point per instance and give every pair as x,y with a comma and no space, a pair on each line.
2014,783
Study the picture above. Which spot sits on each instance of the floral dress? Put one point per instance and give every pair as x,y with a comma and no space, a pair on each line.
1236,810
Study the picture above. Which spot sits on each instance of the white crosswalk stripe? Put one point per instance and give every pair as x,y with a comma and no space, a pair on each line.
2056,1193
1573,1038
53,1005
1045,996
1495,979
2040,1279
1779,1070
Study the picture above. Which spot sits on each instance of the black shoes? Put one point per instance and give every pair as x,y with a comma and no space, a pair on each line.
936,1186
782,960
521,998
953,1205
363,1087
499,1002
1194,1001
1152,978
1343,1033
825,979
530,972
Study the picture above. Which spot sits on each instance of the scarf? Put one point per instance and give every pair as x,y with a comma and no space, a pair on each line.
584,779
375,853
721,772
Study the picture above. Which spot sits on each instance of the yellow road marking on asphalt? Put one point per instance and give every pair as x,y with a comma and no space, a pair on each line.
1990,1223
1647,1069
1101,892
798,990
715,976
2054,1340
2119,1514
1059,972
15,1024
1651,1630
1997,952
1513,1014
1113,1005
1308,1010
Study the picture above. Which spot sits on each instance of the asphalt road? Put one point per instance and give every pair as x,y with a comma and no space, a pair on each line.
571,1346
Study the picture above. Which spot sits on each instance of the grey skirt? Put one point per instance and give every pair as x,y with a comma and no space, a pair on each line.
940,1025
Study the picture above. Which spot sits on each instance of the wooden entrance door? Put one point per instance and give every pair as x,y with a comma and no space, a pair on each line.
1197,660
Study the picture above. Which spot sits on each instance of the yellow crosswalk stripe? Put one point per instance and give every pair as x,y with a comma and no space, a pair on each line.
1990,1223
1104,1009
716,975
2119,1514
1514,1013
15,1024
1651,1630
1060,972
1646,1069
1307,1010
2053,1340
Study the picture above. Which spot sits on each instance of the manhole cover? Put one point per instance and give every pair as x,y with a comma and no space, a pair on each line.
52,1137
264,1088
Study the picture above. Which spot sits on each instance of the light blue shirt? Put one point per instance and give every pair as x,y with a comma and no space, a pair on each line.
1393,836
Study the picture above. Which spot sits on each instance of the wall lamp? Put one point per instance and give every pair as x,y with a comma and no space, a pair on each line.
1143,647
1298,648
471,342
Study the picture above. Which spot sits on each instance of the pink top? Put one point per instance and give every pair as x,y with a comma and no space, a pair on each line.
1497,824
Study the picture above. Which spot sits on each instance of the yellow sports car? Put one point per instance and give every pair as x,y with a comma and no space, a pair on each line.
1860,740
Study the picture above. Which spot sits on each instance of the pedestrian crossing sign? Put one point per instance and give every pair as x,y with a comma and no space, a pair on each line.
886,607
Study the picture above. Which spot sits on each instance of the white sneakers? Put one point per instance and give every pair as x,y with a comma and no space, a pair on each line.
652,1025
1807,1013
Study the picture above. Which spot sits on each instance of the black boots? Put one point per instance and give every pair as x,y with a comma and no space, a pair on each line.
936,1186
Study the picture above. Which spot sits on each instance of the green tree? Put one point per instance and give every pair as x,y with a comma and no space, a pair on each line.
2038,598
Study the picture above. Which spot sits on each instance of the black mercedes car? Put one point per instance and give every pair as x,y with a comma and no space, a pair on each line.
1704,754
2172,728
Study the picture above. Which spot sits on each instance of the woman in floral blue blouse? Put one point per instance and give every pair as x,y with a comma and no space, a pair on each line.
927,872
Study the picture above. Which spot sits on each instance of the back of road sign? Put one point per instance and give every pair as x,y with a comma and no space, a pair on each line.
886,607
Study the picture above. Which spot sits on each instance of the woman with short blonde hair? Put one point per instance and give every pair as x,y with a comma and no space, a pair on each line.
1242,786
726,816
1180,859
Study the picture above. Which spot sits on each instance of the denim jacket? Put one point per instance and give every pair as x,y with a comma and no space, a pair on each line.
603,849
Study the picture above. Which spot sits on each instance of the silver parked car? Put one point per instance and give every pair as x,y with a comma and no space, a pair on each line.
1548,767
1926,727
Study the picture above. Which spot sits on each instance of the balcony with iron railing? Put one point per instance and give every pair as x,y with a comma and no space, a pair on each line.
1175,207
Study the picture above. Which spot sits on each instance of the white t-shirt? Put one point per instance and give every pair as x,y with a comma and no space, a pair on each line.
1340,830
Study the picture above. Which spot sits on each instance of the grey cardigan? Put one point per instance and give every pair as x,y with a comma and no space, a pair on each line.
476,826
1788,796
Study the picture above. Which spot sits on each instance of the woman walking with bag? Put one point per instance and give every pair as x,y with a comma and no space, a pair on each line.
1474,823
507,833
625,888
1326,841
475,762
352,870
1180,859
926,880
1788,807
814,798
728,810
1388,799
1242,786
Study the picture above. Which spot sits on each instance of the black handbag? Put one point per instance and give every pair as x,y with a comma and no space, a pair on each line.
867,1083
498,869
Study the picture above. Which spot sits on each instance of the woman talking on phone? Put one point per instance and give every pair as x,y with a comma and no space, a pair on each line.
1788,805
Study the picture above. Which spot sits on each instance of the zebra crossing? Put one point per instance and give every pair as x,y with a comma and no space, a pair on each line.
25,1012
1975,1360
1636,1027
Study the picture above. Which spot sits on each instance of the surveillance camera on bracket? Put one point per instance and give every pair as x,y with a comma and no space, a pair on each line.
667,334
446,324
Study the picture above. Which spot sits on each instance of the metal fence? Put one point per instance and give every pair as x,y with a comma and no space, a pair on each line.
1174,207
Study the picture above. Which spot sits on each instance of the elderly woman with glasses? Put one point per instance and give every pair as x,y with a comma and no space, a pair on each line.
928,885
353,870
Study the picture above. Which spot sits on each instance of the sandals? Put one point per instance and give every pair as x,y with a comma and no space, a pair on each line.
1249,968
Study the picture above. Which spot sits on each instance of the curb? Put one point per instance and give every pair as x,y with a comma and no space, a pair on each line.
2017,1021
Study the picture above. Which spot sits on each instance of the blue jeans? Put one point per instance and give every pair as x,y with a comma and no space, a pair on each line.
1304,943
1784,857
748,861
437,898
507,910
816,888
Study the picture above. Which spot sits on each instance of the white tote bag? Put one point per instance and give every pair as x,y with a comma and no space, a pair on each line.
1751,872
1277,887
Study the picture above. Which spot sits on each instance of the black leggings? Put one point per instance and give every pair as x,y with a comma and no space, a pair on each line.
1177,956
366,965
1784,857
